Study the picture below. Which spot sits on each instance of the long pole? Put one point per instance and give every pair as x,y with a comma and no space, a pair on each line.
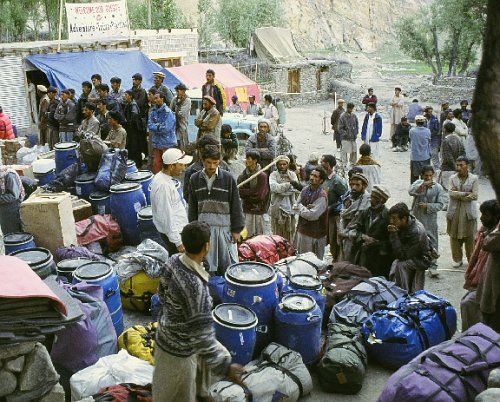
149,14
258,172
61,9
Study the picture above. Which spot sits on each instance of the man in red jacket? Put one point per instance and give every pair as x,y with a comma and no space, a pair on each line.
6,129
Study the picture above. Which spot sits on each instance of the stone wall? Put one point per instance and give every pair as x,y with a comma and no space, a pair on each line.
450,89
27,374
166,43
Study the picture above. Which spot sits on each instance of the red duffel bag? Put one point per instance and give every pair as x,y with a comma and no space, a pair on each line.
268,249
97,228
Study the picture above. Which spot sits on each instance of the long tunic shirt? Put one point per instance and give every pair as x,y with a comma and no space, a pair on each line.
462,211
10,204
435,198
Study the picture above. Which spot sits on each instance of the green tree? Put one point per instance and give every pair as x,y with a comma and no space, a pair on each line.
164,15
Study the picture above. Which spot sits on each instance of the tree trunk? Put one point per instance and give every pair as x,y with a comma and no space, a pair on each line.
486,103
467,58
437,56
454,52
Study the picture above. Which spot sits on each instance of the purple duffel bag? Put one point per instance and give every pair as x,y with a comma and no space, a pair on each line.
453,371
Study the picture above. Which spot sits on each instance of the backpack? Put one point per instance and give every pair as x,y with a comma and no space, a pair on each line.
455,370
302,264
91,150
268,249
125,393
112,169
139,341
407,327
363,299
342,368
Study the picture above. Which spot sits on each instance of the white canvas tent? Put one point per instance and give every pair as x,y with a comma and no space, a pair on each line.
275,45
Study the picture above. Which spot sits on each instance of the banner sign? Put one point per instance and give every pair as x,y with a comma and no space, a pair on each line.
97,20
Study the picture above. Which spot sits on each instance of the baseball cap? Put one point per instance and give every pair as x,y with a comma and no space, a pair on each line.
175,155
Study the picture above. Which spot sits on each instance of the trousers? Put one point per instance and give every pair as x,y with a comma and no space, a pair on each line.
457,249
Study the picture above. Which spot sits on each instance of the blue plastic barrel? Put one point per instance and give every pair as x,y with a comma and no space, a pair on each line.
84,185
216,285
147,229
101,273
65,155
100,201
298,325
127,199
308,284
253,285
65,268
39,259
131,167
144,178
45,178
33,139
18,241
235,329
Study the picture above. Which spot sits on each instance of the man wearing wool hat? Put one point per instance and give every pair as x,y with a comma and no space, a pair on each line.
357,201
373,249
284,187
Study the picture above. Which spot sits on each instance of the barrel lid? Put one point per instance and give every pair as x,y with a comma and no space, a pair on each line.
139,176
65,145
71,264
235,315
86,177
250,273
298,302
17,238
99,195
130,162
305,281
92,270
145,213
124,187
33,256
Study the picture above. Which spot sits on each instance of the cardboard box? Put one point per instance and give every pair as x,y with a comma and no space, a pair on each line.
82,209
23,170
49,218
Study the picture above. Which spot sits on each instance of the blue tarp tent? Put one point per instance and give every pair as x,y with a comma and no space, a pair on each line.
69,70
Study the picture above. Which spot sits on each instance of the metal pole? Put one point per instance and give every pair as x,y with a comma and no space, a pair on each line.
61,9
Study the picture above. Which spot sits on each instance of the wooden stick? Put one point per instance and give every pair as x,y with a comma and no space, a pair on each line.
61,5
258,172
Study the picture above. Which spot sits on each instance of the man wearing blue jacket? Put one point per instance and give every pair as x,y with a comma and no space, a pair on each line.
432,123
161,125
372,129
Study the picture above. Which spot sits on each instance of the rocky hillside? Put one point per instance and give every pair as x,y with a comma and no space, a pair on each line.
361,24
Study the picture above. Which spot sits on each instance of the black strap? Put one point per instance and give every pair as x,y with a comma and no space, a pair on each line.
425,373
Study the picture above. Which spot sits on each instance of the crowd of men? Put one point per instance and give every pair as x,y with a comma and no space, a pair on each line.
313,206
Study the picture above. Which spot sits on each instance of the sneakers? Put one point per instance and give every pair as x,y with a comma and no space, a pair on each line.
456,264
396,149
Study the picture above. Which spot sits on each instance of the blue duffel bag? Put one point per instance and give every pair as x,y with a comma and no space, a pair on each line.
407,327
112,169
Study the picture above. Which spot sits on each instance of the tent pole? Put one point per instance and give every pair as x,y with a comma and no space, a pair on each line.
128,22
61,8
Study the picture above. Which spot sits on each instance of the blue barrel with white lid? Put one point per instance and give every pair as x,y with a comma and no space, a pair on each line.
131,167
101,202
65,155
235,328
18,241
298,325
307,284
84,185
39,259
147,228
144,178
102,274
253,285
127,199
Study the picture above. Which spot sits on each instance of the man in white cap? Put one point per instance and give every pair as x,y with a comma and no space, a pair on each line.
158,78
168,207
43,107
420,140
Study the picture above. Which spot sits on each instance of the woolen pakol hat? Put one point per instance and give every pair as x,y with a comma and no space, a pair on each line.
42,88
175,155
419,117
